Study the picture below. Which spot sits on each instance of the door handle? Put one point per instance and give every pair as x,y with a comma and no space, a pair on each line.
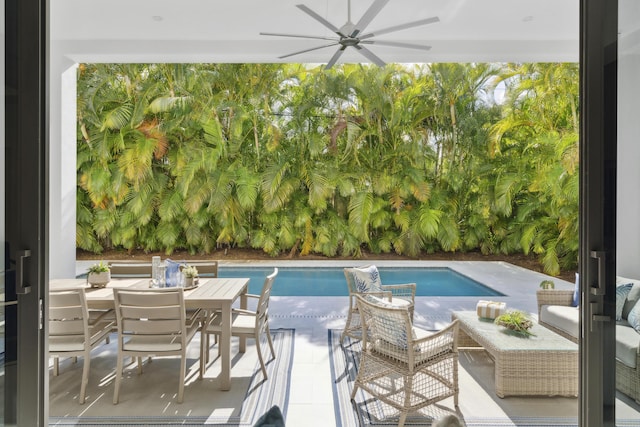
598,290
21,287
601,257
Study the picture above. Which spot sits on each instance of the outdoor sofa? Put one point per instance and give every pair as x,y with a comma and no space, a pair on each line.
556,312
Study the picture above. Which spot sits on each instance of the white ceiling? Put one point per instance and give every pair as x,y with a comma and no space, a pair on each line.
228,30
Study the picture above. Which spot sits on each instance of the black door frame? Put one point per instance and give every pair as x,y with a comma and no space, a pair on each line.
26,178
598,60
598,158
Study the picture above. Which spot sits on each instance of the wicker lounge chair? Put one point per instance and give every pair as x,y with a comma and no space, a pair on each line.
402,295
405,367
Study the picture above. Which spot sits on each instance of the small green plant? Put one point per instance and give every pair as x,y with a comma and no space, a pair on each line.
101,267
190,271
515,320
547,284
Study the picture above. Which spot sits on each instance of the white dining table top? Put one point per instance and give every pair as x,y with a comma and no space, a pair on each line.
211,293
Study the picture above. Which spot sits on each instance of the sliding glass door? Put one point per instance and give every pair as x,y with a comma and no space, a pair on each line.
628,202
22,226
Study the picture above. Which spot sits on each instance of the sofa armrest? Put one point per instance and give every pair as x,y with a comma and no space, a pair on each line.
554,297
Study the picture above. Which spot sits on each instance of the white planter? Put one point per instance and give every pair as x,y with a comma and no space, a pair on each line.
189,282
99,280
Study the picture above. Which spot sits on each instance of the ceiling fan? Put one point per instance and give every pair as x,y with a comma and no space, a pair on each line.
351,35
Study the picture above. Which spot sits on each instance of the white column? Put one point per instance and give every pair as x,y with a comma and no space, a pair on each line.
62,167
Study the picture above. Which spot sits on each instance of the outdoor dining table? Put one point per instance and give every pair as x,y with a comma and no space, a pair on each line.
212,294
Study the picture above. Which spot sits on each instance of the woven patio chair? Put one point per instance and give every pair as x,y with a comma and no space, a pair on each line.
366,281
403,366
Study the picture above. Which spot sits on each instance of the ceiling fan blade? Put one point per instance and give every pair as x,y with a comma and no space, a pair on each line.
401,27
298,36
334,58
368,16
307,50
370,55
396,44
319,18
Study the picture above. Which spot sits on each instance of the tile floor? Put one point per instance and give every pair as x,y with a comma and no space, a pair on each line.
311,389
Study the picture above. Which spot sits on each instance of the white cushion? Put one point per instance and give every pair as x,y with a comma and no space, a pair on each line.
562,317
627,341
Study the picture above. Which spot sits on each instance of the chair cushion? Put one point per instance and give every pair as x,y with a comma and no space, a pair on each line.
383,302
562,317
420,355
367,279
627,342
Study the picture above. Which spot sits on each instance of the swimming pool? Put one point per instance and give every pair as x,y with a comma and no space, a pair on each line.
330,281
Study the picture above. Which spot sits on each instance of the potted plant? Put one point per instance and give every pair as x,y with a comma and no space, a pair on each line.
547,284
516,321
99,275
190,273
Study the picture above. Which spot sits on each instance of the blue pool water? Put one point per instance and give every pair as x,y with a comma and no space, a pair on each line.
330,281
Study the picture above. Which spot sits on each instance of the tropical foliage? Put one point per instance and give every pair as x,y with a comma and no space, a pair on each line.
291,158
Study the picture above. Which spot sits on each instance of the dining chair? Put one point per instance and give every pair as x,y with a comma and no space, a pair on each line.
245,323
130,269
123,270
70,332
152,322
366,281
206,268
401,365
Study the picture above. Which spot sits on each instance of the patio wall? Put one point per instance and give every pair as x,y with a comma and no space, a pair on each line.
628,203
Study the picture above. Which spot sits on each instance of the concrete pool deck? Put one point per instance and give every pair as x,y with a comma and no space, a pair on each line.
312,317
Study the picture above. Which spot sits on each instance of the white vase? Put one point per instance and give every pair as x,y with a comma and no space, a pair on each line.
189,282
99,280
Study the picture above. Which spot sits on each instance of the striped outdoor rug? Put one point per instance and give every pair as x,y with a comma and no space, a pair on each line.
150,399
367,411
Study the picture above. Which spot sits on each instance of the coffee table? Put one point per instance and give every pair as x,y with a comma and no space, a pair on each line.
545,364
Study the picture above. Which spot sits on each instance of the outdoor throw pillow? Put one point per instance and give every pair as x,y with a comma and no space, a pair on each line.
367,279
393,328
576,292
272,418
632,298
621,296
634,317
